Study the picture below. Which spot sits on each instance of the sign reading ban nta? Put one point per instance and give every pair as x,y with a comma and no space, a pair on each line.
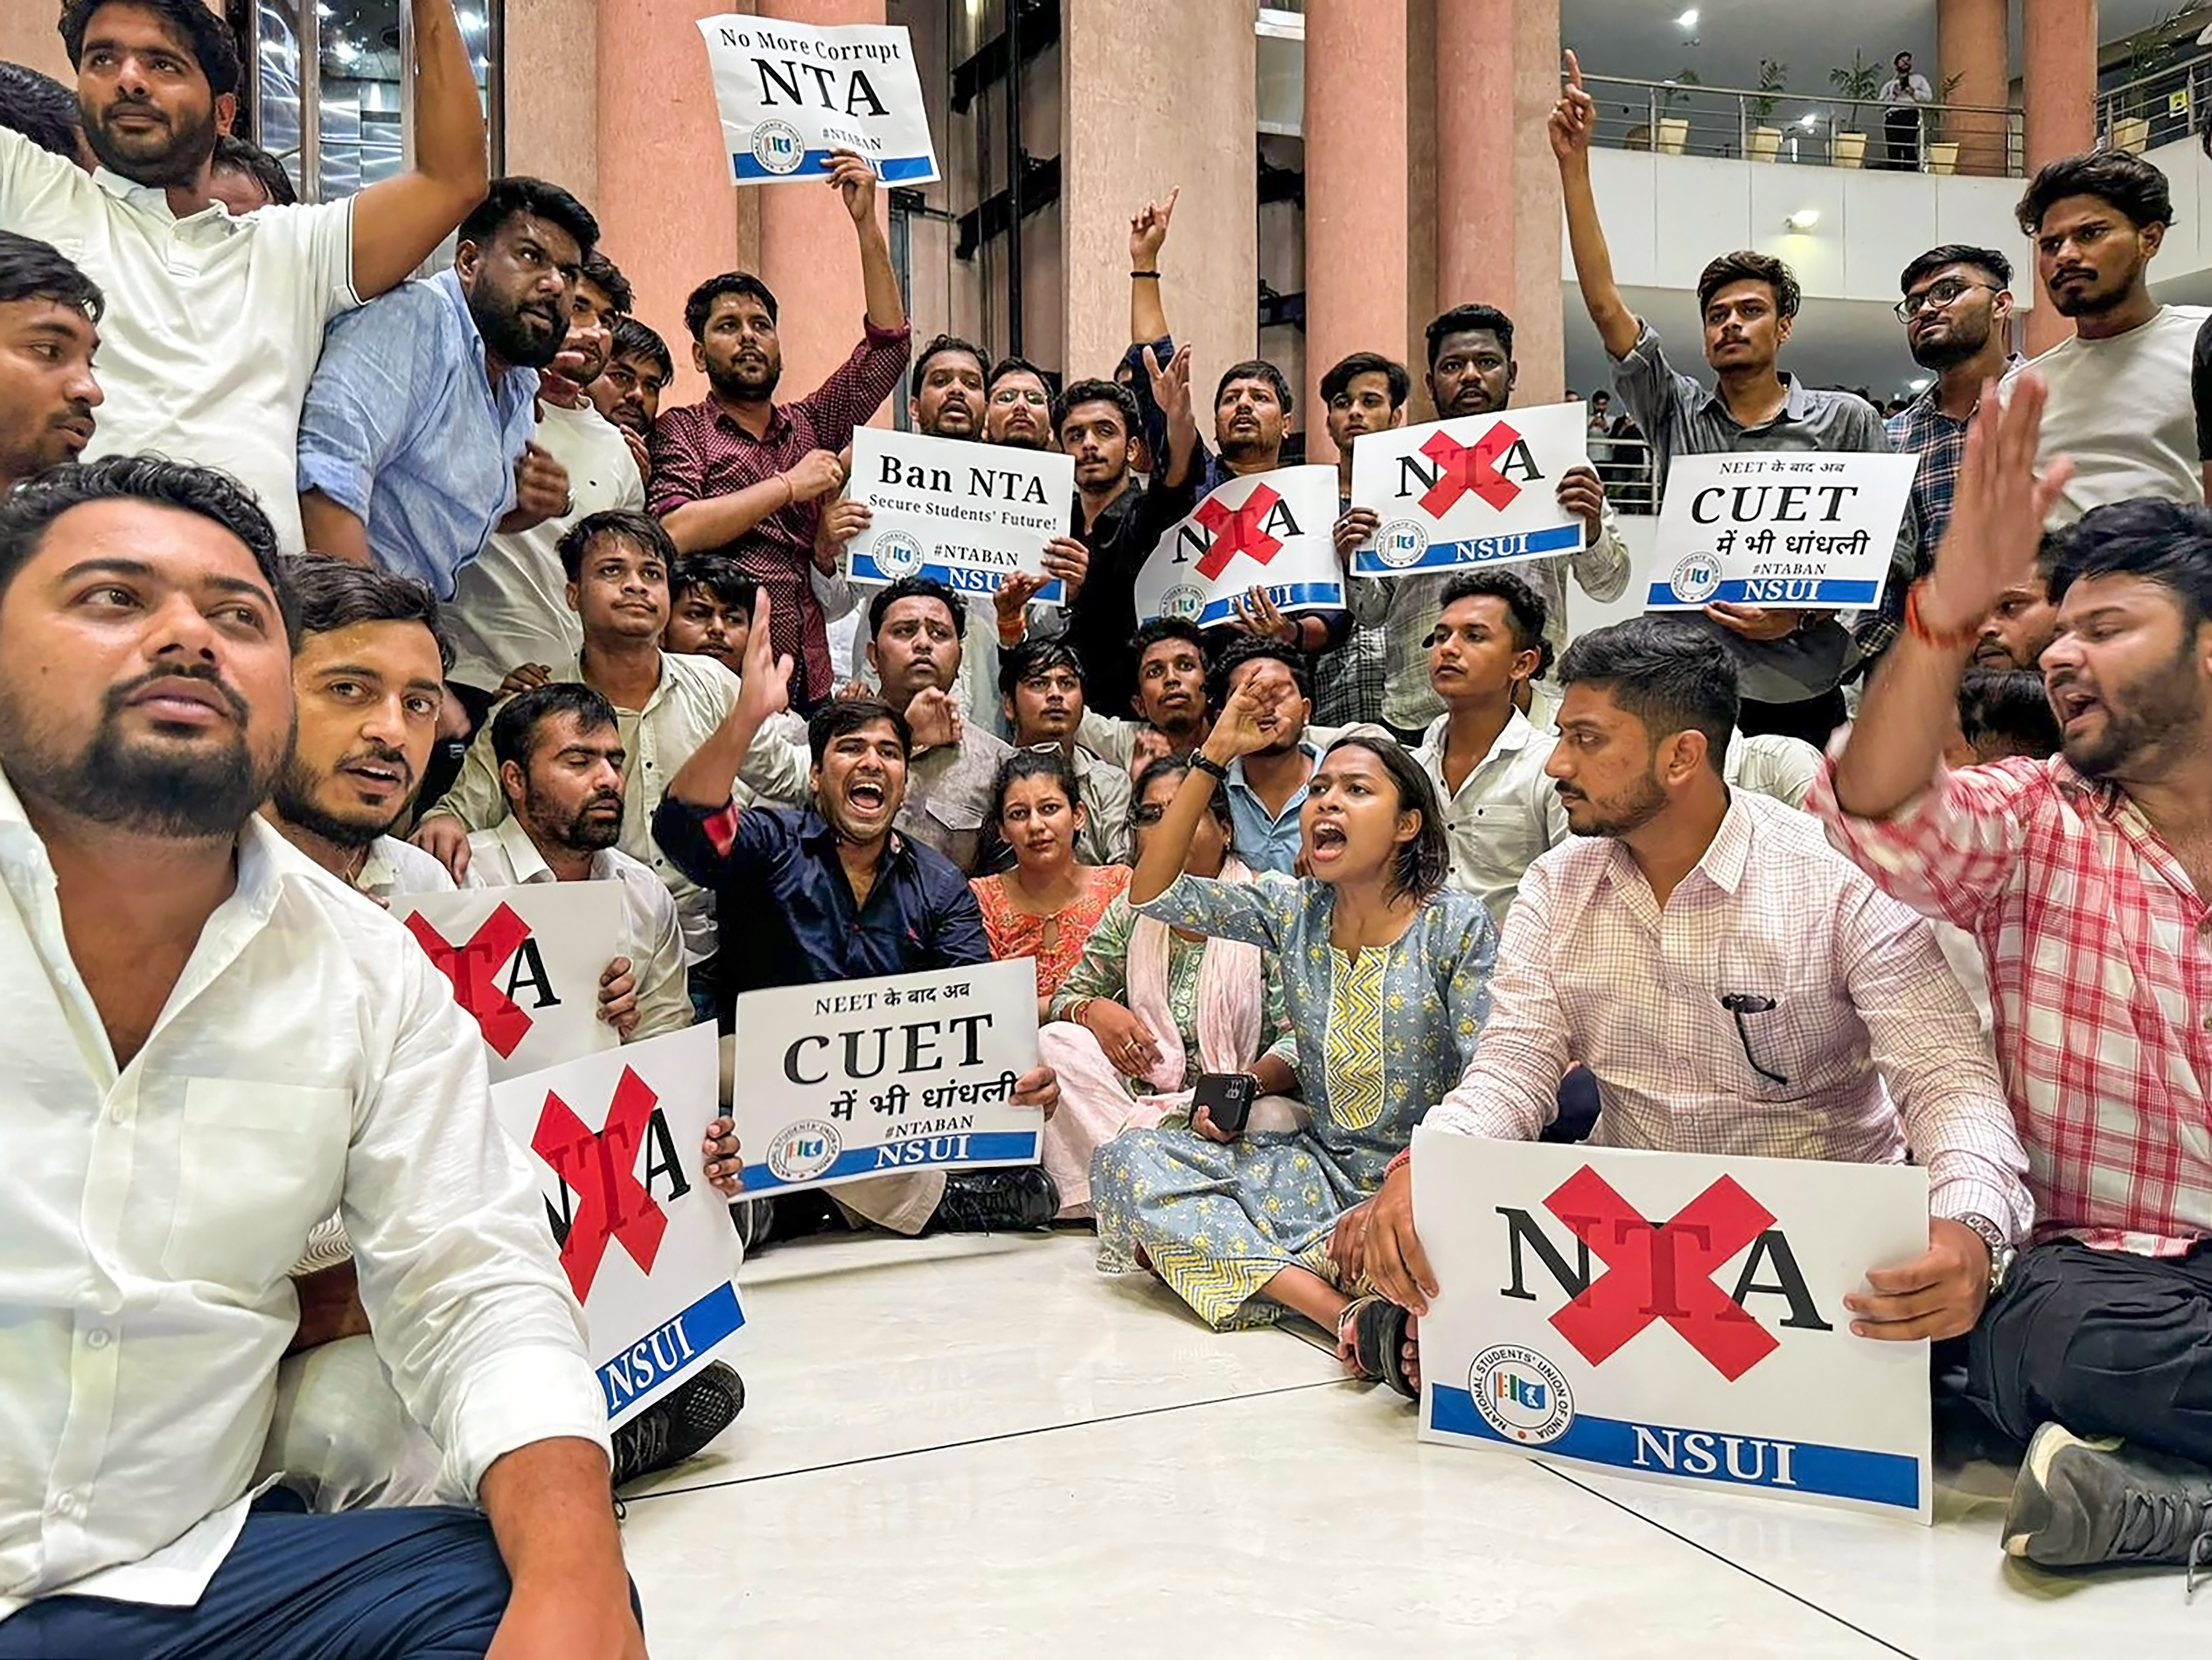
790,93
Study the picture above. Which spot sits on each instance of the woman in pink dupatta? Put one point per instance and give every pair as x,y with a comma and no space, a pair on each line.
1148,1007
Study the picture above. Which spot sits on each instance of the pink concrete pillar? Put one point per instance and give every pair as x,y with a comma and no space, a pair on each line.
2058,93
27,36
551,82
1971,46
1497,187
1356,190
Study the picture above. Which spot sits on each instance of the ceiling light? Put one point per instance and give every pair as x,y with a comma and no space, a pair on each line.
1803,219
1921,385
1688,20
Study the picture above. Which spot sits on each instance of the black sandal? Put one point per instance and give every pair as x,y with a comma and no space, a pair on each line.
1378,1342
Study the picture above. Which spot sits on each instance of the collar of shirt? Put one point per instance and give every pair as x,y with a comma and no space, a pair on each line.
779,423
1924,408
1513,737
1722,864
513,383
819,837
1795,405
523,857
1236,778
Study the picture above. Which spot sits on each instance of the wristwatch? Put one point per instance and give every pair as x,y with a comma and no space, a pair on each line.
2000,1249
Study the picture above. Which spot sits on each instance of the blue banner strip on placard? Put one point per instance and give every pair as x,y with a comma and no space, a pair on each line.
1807,591
892,170
1287,597
1474,550
1874,1478
993,1148
661,1358
961,578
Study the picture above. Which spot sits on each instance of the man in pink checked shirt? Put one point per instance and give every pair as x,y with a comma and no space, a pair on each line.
2083,877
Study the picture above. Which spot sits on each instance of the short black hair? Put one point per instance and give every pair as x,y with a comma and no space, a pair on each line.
1151,634
1420,867
1470,319
1250,649
242,155
1672,677
32,269
1340,377
1033,660
835,718
1080,392
2127,182
2006,712
635,339
917,588
1523,605
1255,368
1047,763
330,594
939,345
720,575
1747,265
514,728
1956,253
603,273
1012,365
28,511
41,109
2168,542
1177,766
517,196
205,33
742,284
640,531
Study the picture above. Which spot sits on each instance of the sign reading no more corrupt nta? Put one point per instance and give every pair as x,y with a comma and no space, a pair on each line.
789,94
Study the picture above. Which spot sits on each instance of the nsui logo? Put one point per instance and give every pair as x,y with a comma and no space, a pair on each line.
1401,544
1522,1396
805,1151
1697,579
1184,602
778,146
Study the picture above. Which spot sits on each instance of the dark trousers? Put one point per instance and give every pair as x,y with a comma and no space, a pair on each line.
1902,129
371,1584
1813,719
2102,1342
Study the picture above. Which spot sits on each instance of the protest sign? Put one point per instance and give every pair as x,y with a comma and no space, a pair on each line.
874,1077
1271,531
1480,490
525,962
790,93
645,1241
1808,530
1710,1348
967,514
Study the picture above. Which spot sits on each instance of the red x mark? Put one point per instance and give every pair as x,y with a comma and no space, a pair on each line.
1469,467
1661,1272
1238,530
610,1201
471,966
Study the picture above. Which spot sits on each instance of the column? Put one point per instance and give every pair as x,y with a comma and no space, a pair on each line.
2058,92
1972,46
1356,190
667,211
28,37
1497,187
1159,93
550,75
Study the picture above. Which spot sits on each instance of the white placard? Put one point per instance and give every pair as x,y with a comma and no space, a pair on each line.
858,1078
1710,1348
1480,490
525,961
1272,531
790,93
1806,529
647,1243
967,514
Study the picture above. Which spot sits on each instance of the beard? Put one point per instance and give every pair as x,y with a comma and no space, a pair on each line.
510,338
747,384
1625,814
578,834
295,803
1940,354
2154,707
160,156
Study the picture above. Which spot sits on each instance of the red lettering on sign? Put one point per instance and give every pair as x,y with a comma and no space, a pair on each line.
601,1170
1238,530
471,966
1470,469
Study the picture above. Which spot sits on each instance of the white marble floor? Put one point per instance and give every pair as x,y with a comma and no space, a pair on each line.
979,1447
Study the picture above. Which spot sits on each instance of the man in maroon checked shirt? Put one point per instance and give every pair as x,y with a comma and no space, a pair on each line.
742,475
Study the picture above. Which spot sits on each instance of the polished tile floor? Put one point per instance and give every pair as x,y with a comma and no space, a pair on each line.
979,1447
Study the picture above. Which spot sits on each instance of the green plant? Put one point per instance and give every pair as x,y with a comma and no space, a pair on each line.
1861,84
1677,90
2152,50
1772,81
1950,85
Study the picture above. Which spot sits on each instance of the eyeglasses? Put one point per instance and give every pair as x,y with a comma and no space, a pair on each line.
1938,294
1017,395
1740,1004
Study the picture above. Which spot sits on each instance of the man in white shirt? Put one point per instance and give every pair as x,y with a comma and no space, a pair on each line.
48,330
213,1039
1903,94
1489,765
213,324
2120,402
1783,1007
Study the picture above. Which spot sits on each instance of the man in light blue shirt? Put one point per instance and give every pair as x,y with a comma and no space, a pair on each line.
415,441
1266,789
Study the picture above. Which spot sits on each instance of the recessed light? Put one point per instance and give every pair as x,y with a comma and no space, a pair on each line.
1688,20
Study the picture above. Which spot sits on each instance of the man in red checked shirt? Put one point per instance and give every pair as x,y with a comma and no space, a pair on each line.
2084,878
742,475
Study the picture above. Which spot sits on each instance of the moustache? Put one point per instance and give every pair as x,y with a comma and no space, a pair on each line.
119,695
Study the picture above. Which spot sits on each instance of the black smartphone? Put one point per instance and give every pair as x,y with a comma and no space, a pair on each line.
1227,1098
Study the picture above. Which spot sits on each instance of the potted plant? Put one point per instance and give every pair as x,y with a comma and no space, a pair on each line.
1943,153
1763,143
1674,130
2150,51
1860,83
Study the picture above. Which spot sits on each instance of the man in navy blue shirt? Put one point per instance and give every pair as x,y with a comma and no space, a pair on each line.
832,891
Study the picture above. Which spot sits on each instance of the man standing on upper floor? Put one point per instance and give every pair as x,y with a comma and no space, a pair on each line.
416,439
49,330
739,473
1792,663
1471,372
213,324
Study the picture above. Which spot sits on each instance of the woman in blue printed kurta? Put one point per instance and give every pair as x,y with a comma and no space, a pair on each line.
1385,979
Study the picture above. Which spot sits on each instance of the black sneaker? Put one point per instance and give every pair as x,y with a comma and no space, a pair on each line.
2079,1502
1019,1201
680,1426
